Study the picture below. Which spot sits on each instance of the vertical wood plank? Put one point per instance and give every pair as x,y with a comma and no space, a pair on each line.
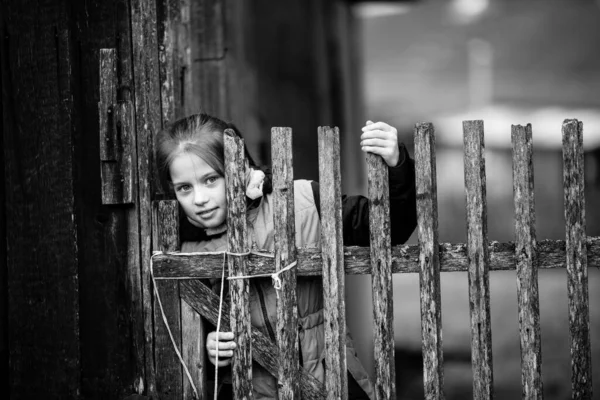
109,169
165,236
176,92
381,277
285,254
137,314
126,154
237,242
527,263
576,250
429,261
332,251
478,258
144,44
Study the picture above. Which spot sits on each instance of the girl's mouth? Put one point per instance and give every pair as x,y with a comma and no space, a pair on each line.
206,214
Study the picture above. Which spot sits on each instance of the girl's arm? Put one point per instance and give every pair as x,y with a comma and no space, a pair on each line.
381,139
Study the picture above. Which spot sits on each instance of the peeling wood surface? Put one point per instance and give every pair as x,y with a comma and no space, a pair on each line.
332,252
206,303
237,242
144,44
478,257
429,262
405,259
169,374
381,277
577,259
285,253
527,263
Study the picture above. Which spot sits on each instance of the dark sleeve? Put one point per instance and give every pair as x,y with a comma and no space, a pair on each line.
403,206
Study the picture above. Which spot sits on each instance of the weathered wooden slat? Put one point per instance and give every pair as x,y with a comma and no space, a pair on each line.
332,252
381,277
576,255
165,236
527,263
144,45
108,97
477,248
429,260
109,168
206,303
117,136
285,254
176,91
126,155
405,259
237,242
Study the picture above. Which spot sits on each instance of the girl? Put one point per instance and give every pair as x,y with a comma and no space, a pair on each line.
190,156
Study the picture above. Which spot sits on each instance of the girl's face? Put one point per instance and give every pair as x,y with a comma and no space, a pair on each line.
200,190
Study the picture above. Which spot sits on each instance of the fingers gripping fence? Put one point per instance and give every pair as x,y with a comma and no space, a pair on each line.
178,277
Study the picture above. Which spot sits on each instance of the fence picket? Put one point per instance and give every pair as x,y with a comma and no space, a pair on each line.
237,240
577,279
427,218
285,254
381,277
169,375
527,263
332,250
477,249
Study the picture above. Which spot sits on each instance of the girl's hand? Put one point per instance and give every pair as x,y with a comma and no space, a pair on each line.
225,344
382,139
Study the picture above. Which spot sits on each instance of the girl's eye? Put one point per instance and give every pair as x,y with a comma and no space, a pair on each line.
183,188
211,179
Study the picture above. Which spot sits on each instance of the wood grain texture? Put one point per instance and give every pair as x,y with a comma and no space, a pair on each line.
39,125
577,257
477,247
285,253
429,260
381,277
237,242
527,263
177,93
169,374
144,44
112,354
206,303
405,259
332,253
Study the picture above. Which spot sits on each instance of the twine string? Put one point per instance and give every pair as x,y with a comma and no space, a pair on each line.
276,281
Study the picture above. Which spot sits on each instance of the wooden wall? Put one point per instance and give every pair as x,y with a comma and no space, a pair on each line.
75,296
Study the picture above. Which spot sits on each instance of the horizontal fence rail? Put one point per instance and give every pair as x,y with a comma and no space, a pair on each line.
405,259
177,275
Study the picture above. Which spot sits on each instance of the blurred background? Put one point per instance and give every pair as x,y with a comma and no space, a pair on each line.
505,62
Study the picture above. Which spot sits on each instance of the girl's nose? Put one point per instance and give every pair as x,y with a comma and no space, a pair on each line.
200,198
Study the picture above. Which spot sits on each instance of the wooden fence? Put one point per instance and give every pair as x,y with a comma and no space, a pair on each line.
177,276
